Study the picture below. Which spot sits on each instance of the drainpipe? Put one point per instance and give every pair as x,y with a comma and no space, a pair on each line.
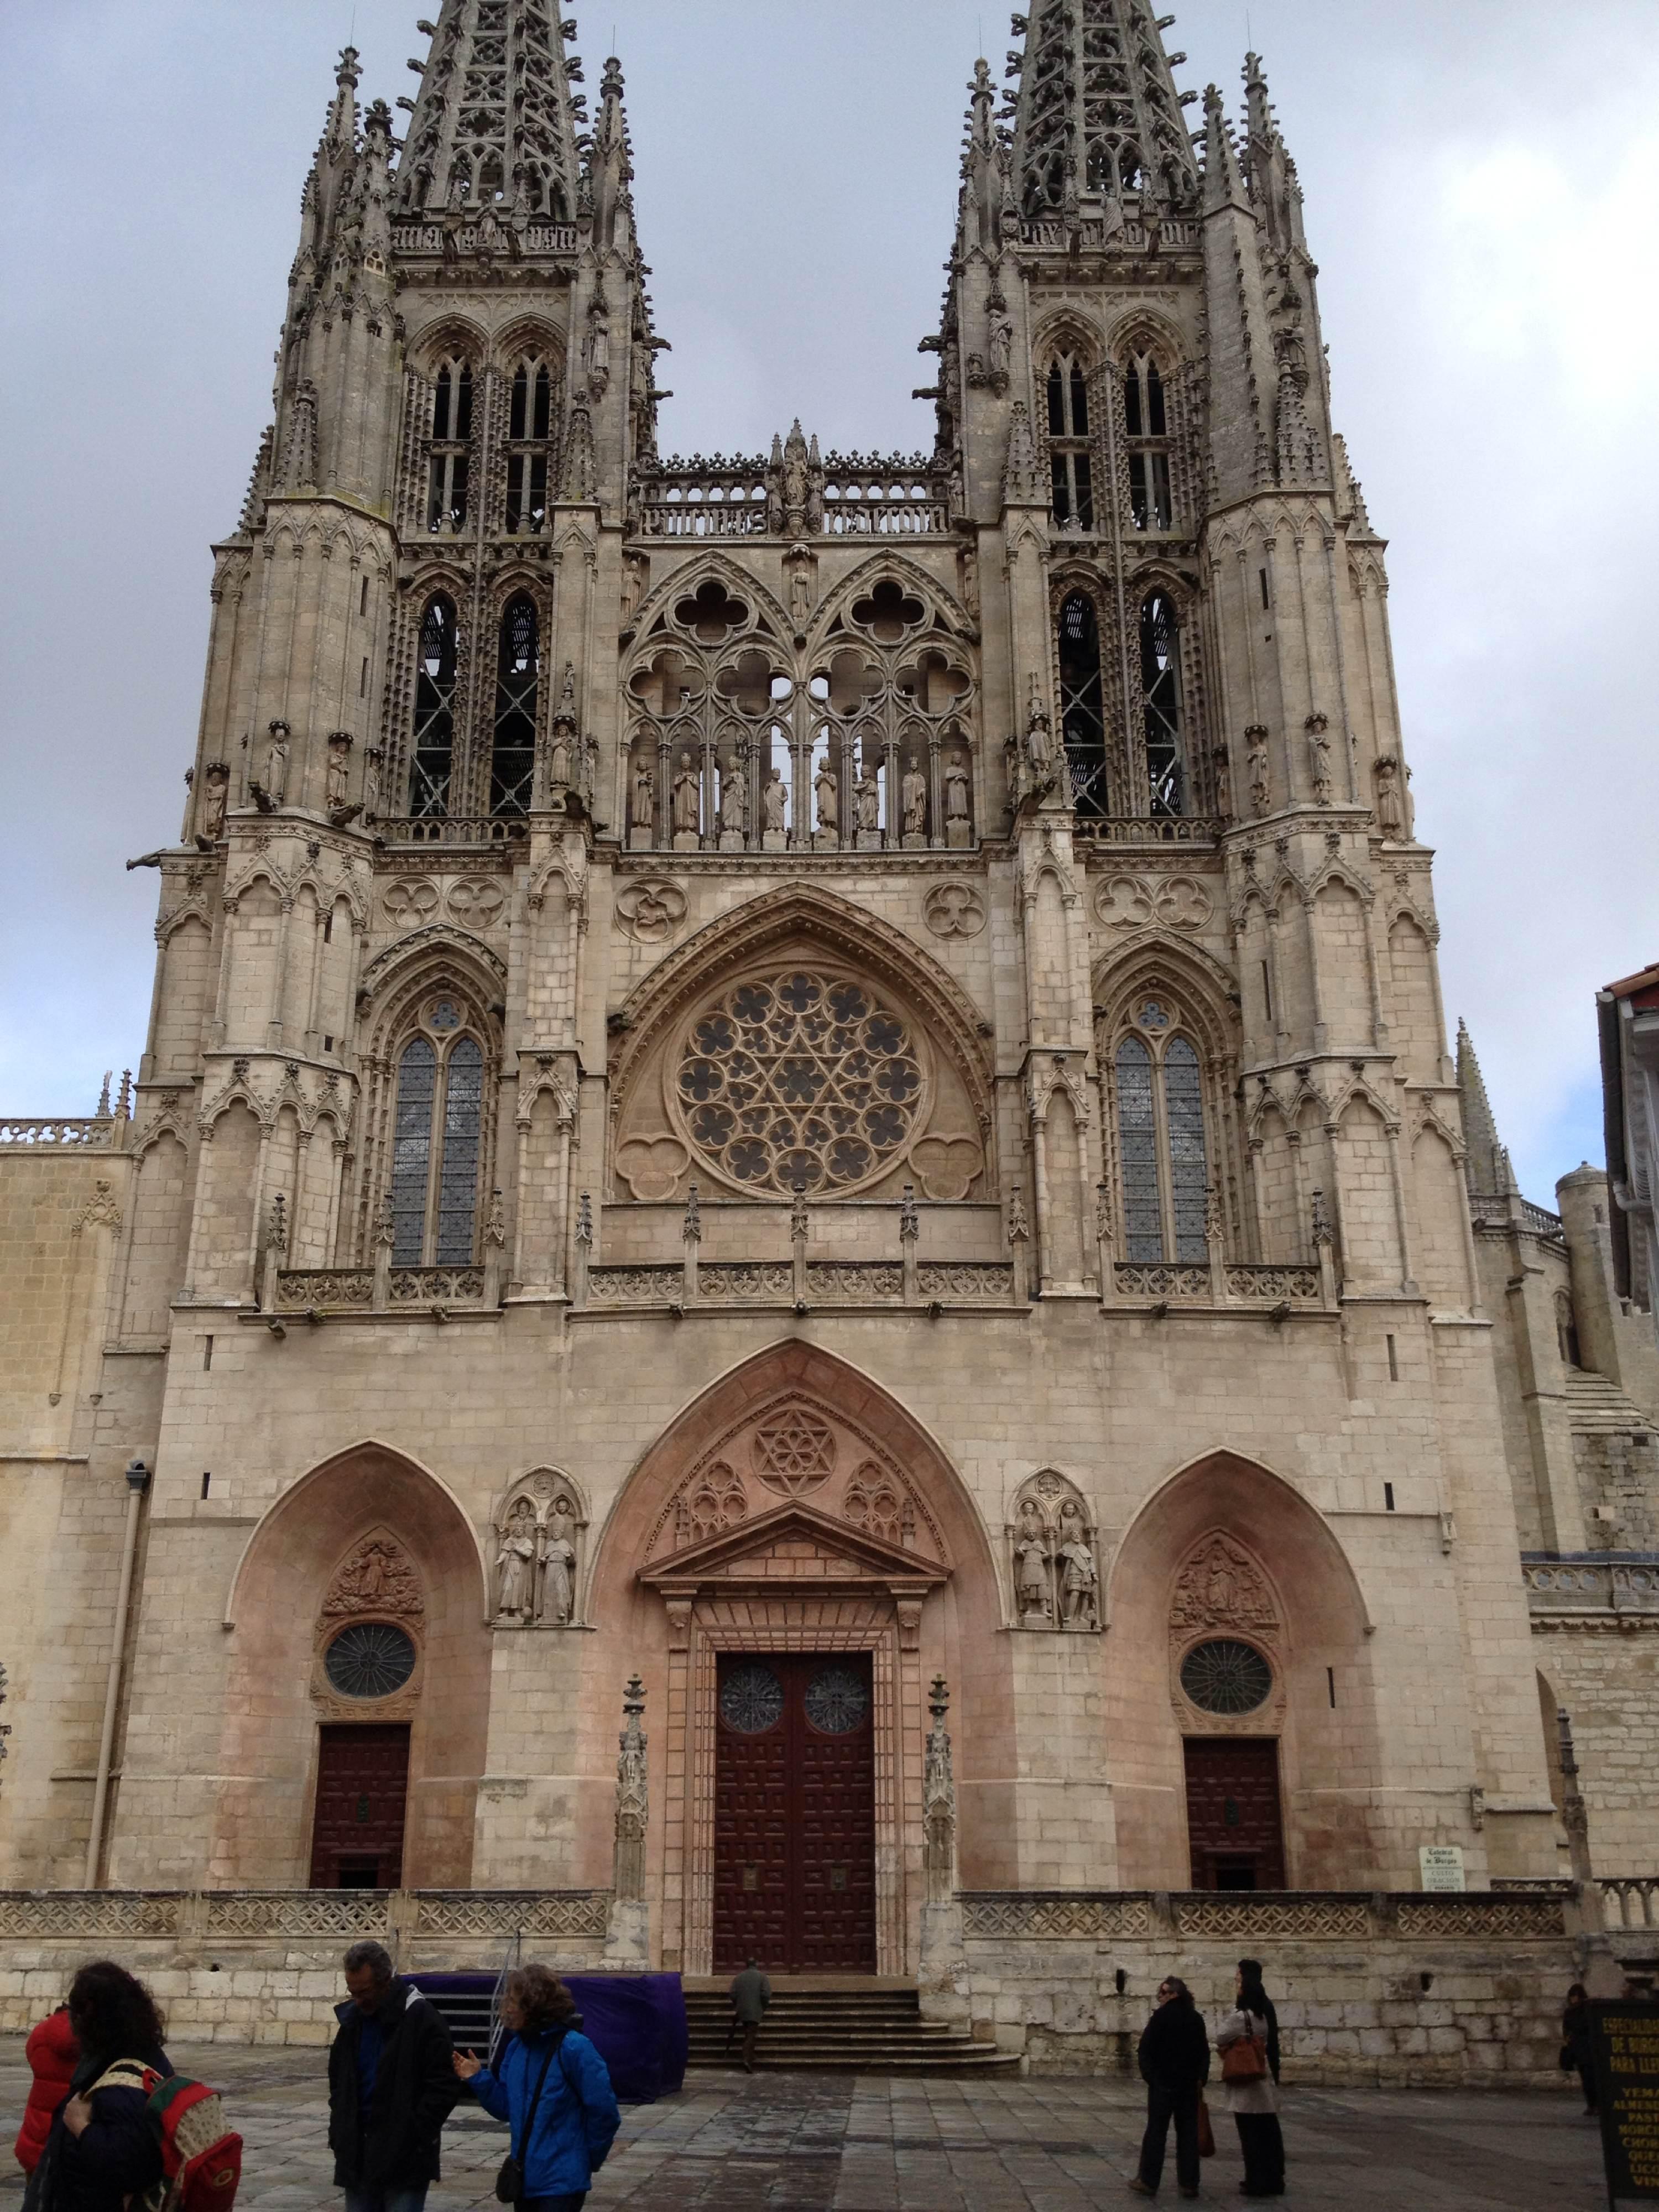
138,1484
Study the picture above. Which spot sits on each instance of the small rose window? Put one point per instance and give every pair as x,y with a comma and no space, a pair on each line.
1226,1676
805,1077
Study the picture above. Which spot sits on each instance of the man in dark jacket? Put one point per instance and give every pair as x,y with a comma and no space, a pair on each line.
390,2087
1174,2064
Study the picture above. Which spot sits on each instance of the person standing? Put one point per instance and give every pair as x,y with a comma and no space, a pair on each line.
552,2088
101,2151
390,2088
53,2055
1248,2091
1575,2052
1251,1970
750,1994
1174,2064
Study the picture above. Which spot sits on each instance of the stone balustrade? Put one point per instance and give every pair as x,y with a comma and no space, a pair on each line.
1629,1900
1149,830
1260,1286
819,1283
448,830
1573,1585
351,1289
738,495
87,1133
1266,1916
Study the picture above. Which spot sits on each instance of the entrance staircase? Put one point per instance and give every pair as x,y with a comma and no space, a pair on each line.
819,2023
1597,1406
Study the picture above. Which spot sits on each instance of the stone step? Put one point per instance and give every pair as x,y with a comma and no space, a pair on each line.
1597,1404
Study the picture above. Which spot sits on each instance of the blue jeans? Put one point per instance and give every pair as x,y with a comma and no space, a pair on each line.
386,2200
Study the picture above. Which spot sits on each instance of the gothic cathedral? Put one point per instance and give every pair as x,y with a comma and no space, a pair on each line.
815,1077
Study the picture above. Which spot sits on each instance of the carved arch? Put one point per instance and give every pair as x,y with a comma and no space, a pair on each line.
451,335
1143,329
947,612
1067,331
681,582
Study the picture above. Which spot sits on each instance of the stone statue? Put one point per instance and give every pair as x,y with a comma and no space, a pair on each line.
1079,1576
1038,749
515,1563
866,799
1031,1558
801,592
372,781
210,813
734,798
644,793
956,789
1319,759
828,798
912,798
1224,783
688,797
276,783
774,800
1261,790
1001,342
1390,813
558,757
559,1574
339,770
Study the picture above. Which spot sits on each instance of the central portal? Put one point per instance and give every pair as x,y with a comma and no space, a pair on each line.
794,1814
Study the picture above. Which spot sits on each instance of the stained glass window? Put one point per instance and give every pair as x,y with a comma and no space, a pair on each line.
1162,1148
439,1123
1226,1676
1137,1139
458,1181
411,1156
1183,1109
370,1659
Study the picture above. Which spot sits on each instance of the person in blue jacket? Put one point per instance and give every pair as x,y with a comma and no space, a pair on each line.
551,2088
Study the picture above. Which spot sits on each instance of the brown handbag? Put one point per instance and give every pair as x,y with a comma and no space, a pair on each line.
1206,2132
1245,2060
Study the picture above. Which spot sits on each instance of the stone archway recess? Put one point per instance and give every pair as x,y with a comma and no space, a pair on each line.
793,1566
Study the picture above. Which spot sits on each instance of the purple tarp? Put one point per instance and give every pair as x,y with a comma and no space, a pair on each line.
636,2022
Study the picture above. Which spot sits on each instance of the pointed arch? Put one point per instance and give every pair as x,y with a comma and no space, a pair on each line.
701,565
947,612
1067,330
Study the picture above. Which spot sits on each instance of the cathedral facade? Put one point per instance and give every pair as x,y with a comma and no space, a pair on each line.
817,1079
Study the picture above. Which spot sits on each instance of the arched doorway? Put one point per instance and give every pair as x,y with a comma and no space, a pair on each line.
358,1686
800,1554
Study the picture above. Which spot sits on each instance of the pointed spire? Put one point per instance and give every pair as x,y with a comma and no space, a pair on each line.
1272,179
1098,119
1224,180
1488,1160
610,170
1021,480
494,121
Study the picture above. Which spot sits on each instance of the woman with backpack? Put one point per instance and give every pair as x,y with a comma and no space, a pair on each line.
1248,2090
102,2148
552,2088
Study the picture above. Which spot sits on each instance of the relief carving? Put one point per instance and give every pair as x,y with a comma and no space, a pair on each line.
1133,902
478,905
377,1577
954,910
707,1504
1221,1587
1051,1550
539,1536
405,904
650,912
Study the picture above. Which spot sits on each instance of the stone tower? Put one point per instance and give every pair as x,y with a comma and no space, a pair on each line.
758,1057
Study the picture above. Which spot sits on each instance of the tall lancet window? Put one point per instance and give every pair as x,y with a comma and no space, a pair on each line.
1072,494
452,445
1146,419
1082,708
512,759
431,770
437,1141
1160,695
529,428
1163,1159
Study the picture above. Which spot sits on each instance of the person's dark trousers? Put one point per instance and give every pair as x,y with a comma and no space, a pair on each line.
750,2037
572,2203
1163,2105
1587,2079
1263,2146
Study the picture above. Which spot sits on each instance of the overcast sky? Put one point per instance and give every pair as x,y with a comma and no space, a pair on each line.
1481,178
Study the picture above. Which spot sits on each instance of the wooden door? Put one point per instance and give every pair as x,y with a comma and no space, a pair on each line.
794,1814
1233,1821
363,1786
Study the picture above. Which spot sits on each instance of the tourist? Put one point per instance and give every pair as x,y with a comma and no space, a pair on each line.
1576,2056
102,2150
552,2088
1174,2064
751,1994
390,2088
1251,1970
1248,2091
52,2053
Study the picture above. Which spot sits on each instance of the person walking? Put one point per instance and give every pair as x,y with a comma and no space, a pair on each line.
1248,2090
53,2054
750,1994
390,2088
552,2088
1251,1970
1174,2064
1575,2052
101,2150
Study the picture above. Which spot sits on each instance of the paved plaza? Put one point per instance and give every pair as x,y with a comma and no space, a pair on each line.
863,2144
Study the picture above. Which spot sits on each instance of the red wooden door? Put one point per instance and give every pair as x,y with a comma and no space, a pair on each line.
1233,1821
795,1814
363,1786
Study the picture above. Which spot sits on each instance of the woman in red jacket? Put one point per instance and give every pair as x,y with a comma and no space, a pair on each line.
52,2053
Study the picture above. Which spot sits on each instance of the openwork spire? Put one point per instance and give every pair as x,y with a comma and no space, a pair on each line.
495,122
1098,117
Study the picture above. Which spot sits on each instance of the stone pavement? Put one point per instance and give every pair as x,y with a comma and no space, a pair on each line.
731,2142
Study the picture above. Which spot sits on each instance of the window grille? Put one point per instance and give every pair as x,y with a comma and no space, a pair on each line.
451,438
1160,692
512,758
1072,498
434,709
1082,706
529,428
1145,422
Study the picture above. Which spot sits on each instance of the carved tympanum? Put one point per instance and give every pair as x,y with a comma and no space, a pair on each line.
1220,1586
376,1576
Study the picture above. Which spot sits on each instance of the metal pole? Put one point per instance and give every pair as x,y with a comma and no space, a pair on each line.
138,1484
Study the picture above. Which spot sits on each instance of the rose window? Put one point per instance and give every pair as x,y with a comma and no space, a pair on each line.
1226,1676
371,1659
836,1700
804,1077
794,1451
751,1698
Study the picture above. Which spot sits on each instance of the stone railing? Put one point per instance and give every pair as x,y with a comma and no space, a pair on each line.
1563,1586
231,1915
1242,1283
818,1283
429,237
89,1133
1036,1915
1149,830
718,497
864,503
335,1290
448,829
1629,1900
739,496
1489,1209
1052,234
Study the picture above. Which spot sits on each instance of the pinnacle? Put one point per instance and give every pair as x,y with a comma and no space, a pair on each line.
1097,116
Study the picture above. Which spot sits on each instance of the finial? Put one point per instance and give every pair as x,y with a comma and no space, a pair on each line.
692,1231
124,1102
277,1234
103,1096
909,1216
585,1219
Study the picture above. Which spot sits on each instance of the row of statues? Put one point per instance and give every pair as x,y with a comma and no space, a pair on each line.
1056,1576
685,798
535,1569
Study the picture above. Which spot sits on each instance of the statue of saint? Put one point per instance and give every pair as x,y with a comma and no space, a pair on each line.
1390,814
644,793
956,789
866,799
515,1564
1031,1558
1260,791
1319,759
559,1571
339,770
1077,1574
774,800
275,784
688,797
1001,344
828,798
215,790
801,593
913,796
734,798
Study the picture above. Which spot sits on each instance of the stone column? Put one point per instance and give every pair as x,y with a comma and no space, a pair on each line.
944,1956
627,1934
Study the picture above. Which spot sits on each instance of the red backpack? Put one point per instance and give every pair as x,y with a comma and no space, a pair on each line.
201,2158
